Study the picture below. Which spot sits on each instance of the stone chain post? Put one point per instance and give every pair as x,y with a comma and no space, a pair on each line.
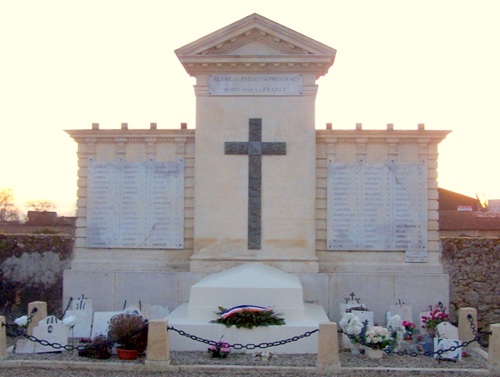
328,348
494,350
3,338
40,314
465,331
158,350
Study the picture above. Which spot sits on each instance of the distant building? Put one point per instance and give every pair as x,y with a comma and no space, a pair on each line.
461,215
41,217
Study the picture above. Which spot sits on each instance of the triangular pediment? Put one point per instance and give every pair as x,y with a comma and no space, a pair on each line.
255,40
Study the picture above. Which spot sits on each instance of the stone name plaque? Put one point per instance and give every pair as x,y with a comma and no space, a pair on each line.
255,84
378,207
135,204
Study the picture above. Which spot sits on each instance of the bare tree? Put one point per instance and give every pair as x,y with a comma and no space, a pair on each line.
40,205
8,211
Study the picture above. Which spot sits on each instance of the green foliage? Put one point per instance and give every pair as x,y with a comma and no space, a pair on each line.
130,331
249,319
47,231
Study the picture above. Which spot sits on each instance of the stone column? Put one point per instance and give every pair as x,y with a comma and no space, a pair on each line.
3,338
41,313
494,350
158,351
465,332
328,348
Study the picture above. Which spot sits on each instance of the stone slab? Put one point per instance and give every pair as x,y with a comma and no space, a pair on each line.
441,344
53,331
135,204
83,323
147,288
377,207
403,310
446,330
431,288
249,284
101,323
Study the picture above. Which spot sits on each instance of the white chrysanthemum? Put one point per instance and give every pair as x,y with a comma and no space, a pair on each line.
21,321
69,321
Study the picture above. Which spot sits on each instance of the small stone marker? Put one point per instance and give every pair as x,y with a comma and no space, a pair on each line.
53,331
101,319
445,344
82,310
446,330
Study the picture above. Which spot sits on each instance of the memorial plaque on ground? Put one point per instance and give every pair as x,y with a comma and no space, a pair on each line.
377,207
136,204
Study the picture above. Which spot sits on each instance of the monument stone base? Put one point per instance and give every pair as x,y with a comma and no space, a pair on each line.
249,284
379,290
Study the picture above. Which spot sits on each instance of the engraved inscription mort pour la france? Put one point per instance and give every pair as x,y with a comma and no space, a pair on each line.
255,84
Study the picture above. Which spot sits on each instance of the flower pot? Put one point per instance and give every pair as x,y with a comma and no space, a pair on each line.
124,354
375,353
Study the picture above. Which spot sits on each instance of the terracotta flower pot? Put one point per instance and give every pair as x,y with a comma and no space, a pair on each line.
124,354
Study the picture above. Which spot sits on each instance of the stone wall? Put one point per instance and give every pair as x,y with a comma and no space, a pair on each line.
31,269
473,264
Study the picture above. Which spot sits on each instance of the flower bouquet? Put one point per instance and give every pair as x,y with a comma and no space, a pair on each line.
352,326
396,330
378,337
410,329
219,349
436,316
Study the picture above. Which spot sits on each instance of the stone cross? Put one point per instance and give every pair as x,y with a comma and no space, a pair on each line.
255,148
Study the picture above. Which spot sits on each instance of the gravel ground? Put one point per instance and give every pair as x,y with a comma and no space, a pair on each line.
68,363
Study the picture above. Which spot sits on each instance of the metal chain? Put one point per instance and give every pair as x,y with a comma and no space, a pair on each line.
67,307
479,335
15,329
239,346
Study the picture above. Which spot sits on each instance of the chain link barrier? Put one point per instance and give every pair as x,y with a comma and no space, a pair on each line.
14,331
249,346
20,331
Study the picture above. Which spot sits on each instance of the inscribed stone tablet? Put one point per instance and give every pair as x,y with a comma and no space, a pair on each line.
377,207
135,204
290,84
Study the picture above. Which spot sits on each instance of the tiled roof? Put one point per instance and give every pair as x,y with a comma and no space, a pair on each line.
463,220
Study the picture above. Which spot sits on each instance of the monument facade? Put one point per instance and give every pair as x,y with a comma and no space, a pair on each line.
255,181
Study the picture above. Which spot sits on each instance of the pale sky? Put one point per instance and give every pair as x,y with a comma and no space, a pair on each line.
66,64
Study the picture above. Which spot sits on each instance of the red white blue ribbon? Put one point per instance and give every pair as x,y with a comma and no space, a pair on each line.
245,308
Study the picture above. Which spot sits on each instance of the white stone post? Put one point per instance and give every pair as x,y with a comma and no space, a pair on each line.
328,348
494,350
3,337
41,313
158,351
465,332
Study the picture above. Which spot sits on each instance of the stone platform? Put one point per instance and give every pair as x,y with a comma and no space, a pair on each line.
249,284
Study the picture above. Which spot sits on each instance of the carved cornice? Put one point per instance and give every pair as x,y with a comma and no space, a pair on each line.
380,136
256,44
131,136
